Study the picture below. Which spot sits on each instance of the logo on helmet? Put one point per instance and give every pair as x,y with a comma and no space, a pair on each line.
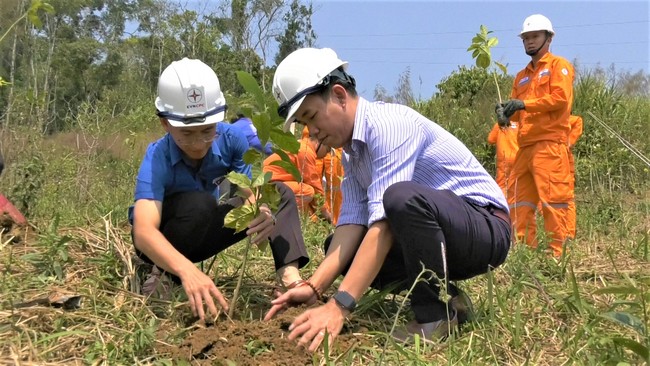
278,93
194,95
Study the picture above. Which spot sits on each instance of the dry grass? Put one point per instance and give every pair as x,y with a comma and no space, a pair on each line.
534,317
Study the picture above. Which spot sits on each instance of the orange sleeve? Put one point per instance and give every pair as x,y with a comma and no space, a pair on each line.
576,129
492,137
561,89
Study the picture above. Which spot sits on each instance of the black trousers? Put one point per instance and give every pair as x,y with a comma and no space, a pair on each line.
193,223
421,219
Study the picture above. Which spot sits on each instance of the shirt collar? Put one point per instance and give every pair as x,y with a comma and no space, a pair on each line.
542,61
175,153
360,126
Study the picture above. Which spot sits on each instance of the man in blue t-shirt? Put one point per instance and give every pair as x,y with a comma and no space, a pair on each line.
177,216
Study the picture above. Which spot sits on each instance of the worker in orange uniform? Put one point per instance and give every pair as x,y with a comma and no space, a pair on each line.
541,101
575,122
311,185
332,169
505,139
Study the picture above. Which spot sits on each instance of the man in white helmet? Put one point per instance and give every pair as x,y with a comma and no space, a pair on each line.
541,100
177,217
413,195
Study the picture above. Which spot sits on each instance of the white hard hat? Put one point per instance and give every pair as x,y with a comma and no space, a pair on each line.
300,74
189,94
536,22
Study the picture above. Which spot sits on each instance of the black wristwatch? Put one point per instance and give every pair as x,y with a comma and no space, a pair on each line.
345,301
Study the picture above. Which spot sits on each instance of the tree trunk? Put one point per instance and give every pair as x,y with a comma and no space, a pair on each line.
12,76
12,79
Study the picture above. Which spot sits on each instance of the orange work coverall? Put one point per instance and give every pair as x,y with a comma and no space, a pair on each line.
575,122
542,172
332,169
306,162
505,140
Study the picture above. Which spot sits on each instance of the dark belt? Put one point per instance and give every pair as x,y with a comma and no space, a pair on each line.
500,214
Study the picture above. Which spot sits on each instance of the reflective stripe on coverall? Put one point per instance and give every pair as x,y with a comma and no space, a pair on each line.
541,171
575,123
505,140
332,169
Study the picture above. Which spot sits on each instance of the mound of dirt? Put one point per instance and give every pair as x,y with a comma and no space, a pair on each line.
251,343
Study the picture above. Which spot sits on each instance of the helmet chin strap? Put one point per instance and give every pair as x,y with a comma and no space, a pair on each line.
533,53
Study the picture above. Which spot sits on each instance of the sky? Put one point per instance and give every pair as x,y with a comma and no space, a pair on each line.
382,39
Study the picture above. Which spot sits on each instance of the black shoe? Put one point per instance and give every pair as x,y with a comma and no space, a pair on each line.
462,304
428,332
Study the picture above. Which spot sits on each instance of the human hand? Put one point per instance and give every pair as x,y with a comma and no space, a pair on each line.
293,297
314,324
512,106
201,289
261,227
502,120
327,216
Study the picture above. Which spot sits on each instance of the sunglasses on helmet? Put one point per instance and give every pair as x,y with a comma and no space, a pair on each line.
194,119
283,109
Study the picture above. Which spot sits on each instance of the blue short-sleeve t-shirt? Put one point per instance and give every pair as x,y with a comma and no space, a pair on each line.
164,171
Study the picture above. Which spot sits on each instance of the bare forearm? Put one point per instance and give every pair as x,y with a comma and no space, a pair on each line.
368,260
344,245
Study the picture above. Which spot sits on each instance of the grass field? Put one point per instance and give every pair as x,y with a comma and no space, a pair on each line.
589,308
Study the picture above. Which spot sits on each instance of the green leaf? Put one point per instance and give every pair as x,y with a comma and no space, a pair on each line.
483,61
3,82
262,179
262,122
633,346
620,290
66,333
252,156
285,140
502,67
290,168
270,196
238,218
250,85
628,303
34,8
34,19
239,179
625,319
492,42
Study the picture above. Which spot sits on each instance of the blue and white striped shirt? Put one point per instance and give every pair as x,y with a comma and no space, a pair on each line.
393,143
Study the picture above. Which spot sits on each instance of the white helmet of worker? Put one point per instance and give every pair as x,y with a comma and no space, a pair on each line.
301,73
189,94
537,22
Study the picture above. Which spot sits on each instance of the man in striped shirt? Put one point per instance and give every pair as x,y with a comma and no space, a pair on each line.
413,196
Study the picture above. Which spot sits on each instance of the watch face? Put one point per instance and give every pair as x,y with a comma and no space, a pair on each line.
345,300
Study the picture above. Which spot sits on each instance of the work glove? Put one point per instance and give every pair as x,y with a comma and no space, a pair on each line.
502,120
511,106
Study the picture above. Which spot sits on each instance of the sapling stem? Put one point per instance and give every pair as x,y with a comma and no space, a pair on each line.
240,278
235,294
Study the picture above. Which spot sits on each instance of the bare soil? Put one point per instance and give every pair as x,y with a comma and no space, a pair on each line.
253,343
11,231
